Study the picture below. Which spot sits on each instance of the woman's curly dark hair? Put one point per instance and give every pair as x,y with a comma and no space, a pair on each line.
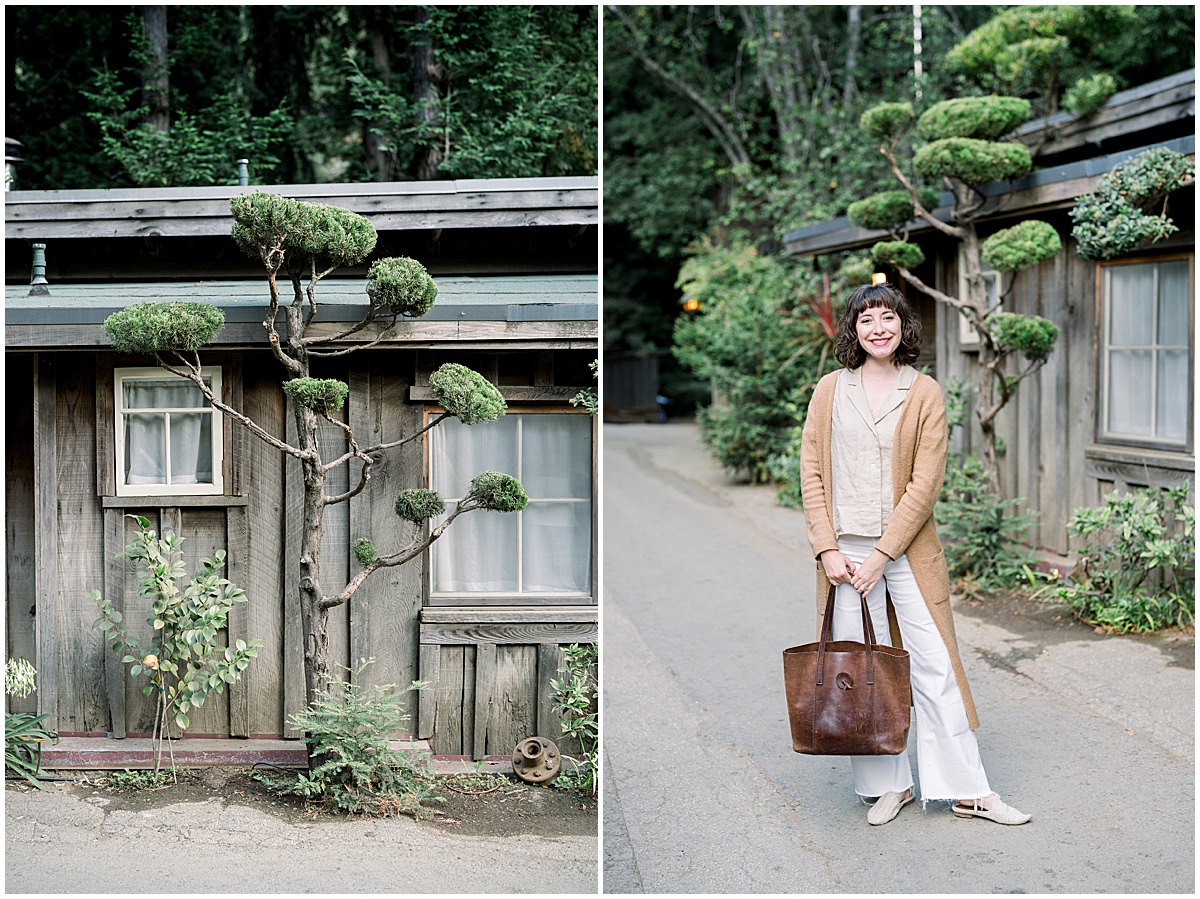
849,351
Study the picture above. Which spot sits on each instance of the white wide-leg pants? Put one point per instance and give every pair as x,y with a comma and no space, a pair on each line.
947,753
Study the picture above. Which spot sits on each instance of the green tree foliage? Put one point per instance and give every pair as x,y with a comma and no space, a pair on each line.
761,357
275,84
172,327
512,94
1117,217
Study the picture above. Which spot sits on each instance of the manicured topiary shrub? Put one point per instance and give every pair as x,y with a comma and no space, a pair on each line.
419,505
887,121
401,285
888,209
309,231
466,394
974,161
983,118
163,327
324,395
1033,335
364,550
498,492
1021,246
897,252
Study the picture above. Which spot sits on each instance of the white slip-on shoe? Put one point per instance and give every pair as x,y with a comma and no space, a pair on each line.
887,807
996,810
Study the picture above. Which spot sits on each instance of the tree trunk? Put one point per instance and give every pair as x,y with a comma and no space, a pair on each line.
384,160
156,92
985,376
850,86
426,75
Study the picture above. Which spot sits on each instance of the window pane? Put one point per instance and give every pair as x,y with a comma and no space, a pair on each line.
1173,327
1172,394
1129,392
557,456
164,393
458,452
145,449
557,547
477,554
191,448
1131,298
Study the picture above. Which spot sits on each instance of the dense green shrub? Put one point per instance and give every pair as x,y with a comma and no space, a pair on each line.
576,699
888,209
498,492
973,161
887,121
984,118
1115,218
347,730
401,285
304,232
982,533
897,252
1024,244
1032,335
163,327
1137,564
466,394
323,395
1088,94
419,505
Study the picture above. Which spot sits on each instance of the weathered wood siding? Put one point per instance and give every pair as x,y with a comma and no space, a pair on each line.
490,683
1050,426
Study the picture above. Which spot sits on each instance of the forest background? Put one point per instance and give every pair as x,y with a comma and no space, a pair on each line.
729,126
120,96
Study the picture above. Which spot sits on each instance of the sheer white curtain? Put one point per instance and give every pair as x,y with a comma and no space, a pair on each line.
544,549
150,436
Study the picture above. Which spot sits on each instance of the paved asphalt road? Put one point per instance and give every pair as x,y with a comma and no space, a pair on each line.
706,582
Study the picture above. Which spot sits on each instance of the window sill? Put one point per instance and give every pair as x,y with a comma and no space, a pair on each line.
469,625
172,501
1179,460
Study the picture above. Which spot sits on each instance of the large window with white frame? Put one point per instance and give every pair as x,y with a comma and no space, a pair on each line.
537,556
1146,367
168,436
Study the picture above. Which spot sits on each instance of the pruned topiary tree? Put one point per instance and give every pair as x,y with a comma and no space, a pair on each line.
963,152
305,242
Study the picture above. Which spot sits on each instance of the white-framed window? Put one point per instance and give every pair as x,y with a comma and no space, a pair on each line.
968,337
168,436
540,555
1146,369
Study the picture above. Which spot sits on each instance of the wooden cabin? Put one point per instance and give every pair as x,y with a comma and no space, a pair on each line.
1090,421
482,616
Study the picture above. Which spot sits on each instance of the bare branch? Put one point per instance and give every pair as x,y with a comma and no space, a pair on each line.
379,447
920,211
193,374
269,324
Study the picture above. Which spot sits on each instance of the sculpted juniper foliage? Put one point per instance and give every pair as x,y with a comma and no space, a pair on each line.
299,244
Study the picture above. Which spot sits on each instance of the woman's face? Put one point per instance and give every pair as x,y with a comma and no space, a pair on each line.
879,332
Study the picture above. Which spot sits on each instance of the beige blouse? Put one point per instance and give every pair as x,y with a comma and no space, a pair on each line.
861,451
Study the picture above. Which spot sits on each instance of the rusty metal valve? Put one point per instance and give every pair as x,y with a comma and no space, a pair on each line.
537,760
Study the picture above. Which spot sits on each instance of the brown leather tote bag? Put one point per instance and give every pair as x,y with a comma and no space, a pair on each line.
847,698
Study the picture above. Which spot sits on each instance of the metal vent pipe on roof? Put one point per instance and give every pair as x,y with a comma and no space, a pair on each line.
243,172
38,285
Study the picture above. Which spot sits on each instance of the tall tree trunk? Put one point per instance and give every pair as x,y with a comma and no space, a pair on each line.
384,160
156,87
426,78
849,85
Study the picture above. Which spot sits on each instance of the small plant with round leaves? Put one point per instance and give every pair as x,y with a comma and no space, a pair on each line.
466,394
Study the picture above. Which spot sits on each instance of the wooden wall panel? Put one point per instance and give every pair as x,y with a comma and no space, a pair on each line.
82,699
506,698
449,691
384,611
204,532
263,615
20,569
139,709
45,497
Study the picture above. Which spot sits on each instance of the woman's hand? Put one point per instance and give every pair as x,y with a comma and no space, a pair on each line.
869,573
838,568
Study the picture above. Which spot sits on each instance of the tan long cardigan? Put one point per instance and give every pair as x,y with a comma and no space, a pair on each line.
918,467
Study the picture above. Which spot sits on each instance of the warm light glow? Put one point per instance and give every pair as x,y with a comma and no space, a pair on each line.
691,305
879,278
